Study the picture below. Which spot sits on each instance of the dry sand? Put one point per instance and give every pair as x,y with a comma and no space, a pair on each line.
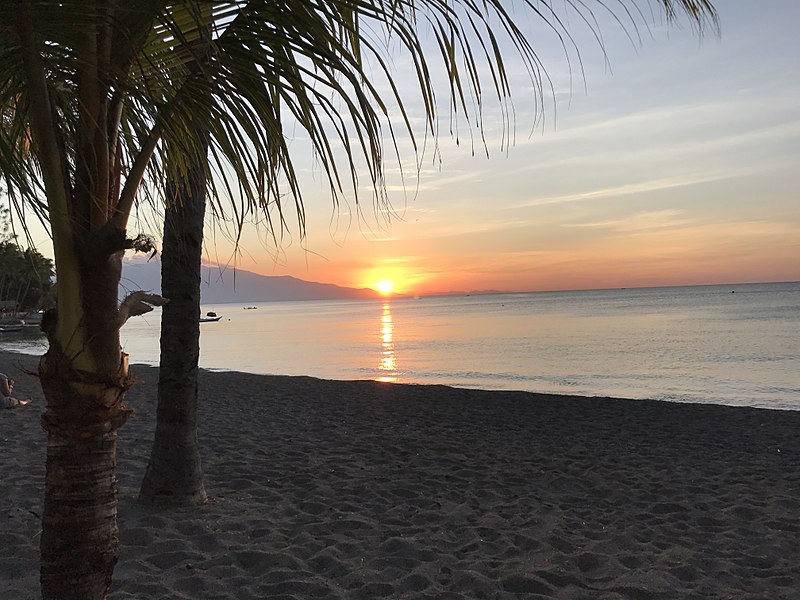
356,490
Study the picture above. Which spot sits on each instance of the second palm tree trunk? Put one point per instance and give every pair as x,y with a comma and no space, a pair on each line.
174,475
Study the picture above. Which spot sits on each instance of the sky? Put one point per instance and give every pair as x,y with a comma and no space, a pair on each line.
667,160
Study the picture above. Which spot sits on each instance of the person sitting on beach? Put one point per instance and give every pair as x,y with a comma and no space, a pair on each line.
6,387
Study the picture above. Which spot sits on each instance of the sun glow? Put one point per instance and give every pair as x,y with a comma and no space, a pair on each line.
387,278
385,287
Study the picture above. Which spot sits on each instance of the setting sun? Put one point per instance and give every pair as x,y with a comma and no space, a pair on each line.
385,286
388,278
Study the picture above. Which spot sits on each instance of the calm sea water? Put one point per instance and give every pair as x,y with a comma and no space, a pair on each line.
733,344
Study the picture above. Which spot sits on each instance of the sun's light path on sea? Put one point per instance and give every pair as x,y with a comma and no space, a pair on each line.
388,361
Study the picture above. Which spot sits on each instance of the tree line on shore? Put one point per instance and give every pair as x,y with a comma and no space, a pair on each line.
26,276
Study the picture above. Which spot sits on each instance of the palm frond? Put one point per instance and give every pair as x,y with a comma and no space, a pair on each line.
253,71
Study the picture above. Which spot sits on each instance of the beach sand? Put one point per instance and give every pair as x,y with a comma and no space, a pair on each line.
362,490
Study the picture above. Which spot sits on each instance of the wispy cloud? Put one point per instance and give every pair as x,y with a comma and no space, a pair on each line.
626,189
725,172
639,222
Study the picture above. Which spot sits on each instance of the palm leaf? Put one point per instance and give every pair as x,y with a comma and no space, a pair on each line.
266,67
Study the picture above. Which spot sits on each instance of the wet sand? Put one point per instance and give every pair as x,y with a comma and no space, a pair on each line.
323,489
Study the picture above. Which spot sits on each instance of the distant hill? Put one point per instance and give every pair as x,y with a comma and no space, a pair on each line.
220,286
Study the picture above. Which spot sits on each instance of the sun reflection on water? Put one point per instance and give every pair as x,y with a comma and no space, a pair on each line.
388,362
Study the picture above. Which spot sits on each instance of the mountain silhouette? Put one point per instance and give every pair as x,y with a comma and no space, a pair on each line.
222,285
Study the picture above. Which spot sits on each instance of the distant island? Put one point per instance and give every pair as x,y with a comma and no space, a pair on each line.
223,285
471,293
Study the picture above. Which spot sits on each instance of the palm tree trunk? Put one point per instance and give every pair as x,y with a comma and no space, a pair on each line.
174,475
80,541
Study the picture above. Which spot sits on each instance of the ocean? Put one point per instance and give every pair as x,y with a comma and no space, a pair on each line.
723,344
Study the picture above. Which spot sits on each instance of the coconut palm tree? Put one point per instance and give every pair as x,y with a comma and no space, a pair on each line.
174,474
98,101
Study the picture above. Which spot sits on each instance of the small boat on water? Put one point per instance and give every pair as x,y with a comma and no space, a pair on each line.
211,317
32,319
10,325
21,321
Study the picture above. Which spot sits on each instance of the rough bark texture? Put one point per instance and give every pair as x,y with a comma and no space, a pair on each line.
80,540
174,475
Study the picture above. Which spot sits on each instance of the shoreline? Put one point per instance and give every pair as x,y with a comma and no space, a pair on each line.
473,388
358,489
